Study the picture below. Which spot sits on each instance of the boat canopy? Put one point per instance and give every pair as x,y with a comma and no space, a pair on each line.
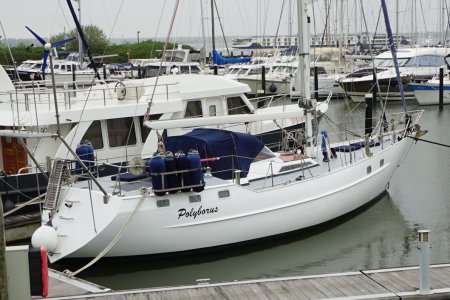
220,60
227,150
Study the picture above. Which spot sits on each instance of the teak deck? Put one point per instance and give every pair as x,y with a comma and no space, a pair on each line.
399,283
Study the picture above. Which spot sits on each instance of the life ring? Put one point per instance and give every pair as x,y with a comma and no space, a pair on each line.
120,90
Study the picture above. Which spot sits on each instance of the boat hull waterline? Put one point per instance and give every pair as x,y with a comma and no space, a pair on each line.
243,216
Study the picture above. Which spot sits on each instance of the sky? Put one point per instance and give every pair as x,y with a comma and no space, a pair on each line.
152,18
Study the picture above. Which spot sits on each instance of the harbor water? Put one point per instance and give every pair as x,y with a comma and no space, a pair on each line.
382,235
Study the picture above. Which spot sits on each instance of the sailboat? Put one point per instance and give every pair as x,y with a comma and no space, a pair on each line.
211,188
108,119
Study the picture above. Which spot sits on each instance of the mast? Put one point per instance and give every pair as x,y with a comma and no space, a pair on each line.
303,72
80,43
393,52
83,39
397,11
212,26
301,88
203,30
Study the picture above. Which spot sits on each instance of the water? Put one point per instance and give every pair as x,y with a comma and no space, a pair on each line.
382,235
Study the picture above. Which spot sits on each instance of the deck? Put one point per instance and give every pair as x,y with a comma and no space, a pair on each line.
398,283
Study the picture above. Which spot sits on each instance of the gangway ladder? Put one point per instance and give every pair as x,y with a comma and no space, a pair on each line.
54,185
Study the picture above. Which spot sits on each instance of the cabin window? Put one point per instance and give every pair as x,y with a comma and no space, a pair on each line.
224,194
121,132
236,106
255,71
94,135
212,111
430,61
69,67
163,203
184,69
193,109
145,131
382,162
63,67
195,198
369,169
195,70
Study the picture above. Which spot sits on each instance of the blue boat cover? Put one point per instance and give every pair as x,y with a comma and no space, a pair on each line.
220,60
235,150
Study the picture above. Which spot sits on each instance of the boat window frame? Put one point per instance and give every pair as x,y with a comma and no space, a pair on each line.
195,198
193,109
94,137
237,108
123,140
161,203
223,194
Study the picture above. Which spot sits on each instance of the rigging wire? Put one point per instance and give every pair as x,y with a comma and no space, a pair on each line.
157,28
221,27
431,142
275,45
143,196
147,113
112,243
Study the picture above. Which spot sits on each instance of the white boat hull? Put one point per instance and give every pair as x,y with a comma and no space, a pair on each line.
428,93
88,227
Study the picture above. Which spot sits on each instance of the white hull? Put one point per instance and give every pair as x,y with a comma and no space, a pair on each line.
428,93
326,85
358,97
246,215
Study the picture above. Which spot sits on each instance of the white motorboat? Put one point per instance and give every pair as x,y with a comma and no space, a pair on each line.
416,65
110,117
427,93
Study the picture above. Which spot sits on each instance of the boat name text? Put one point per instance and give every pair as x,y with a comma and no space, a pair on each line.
193,213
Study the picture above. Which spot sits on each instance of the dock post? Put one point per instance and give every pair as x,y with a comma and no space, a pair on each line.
441,88
424,246
368,114
316,83
3,274
263,79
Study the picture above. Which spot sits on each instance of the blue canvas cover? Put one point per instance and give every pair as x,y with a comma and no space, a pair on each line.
236,150
220,60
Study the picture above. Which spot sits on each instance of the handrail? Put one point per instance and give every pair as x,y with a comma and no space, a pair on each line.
28,168
43,96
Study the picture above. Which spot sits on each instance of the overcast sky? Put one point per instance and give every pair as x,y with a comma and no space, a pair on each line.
123,19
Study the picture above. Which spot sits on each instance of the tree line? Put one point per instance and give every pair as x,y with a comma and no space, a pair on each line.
98,45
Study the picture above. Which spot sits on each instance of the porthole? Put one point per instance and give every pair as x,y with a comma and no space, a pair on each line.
224,194
163,203
195,198
369,169
382,162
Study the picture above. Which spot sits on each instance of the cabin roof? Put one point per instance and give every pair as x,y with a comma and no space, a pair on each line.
411,52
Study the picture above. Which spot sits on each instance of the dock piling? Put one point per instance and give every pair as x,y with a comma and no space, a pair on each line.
424,246
441,88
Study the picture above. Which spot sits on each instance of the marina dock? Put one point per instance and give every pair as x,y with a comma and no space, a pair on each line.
21,227
398,283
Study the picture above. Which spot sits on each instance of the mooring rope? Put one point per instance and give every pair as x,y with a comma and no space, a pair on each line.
144,193
23,204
